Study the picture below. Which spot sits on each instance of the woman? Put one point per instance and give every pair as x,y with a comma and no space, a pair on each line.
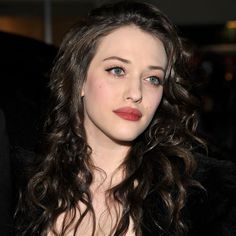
118,142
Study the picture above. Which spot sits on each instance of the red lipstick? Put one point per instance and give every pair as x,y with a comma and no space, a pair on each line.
128,113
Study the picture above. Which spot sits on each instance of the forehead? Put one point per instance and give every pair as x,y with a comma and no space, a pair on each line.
131,41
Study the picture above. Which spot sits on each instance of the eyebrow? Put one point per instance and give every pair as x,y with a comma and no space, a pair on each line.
118,58
157,68
129,62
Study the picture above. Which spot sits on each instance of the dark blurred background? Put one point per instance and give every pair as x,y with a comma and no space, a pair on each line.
30,32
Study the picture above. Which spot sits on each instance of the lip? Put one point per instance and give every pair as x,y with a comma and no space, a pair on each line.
128,113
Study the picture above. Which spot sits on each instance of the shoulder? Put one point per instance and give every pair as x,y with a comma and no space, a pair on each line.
213,211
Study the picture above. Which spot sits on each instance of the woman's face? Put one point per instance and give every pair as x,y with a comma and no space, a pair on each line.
123,86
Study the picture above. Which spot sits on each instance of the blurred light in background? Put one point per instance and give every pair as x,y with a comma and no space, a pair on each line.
229,32
31,26
231,24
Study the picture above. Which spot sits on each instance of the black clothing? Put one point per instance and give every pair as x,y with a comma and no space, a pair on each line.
214,214
211,212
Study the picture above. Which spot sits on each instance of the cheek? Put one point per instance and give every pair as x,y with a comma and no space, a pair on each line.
92,86
96,91
154,100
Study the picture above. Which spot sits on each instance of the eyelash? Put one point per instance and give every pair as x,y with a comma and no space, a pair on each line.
159,81
109,70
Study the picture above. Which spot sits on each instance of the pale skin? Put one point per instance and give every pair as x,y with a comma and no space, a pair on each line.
126,71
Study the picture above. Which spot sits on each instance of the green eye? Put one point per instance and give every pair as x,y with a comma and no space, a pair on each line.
154,80
118,71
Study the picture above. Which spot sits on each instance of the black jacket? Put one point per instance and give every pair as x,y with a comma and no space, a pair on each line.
210,212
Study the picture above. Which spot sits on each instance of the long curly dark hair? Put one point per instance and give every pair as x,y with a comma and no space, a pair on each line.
160,159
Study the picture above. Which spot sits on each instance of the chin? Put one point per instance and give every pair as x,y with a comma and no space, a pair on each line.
128,138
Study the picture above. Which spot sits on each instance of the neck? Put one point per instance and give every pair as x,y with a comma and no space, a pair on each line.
108,157
107,154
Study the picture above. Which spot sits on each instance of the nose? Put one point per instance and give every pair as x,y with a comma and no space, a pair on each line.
133,90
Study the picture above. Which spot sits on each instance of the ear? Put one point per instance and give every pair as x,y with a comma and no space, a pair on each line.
82,90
